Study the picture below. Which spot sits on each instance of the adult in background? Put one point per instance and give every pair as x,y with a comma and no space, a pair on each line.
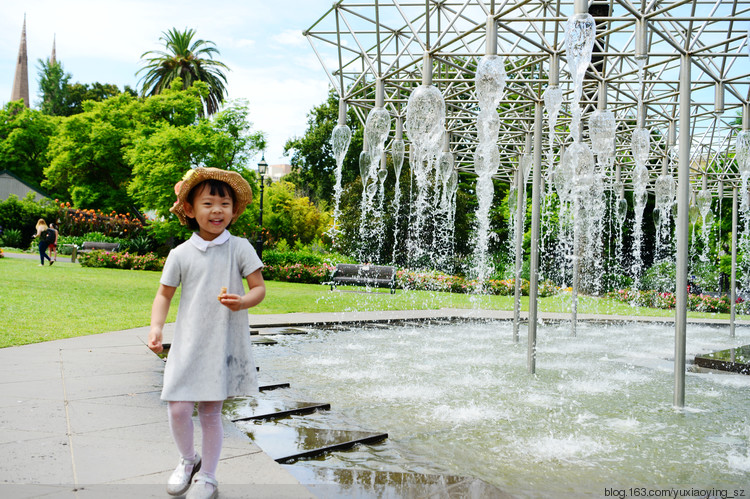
43,233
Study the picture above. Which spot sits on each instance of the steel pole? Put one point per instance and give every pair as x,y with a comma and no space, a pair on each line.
535,226
683,242
520,208
733,279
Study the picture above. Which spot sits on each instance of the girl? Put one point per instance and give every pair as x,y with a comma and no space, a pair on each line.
53,246
210,358
41,226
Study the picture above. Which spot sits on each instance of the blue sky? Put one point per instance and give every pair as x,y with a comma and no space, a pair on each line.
272,65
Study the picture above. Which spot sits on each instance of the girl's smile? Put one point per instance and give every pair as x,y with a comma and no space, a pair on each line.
212,212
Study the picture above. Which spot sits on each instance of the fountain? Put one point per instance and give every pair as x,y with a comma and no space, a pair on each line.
450,407
580,34
397,155
340,139
372,170
704,208
425,126
489,83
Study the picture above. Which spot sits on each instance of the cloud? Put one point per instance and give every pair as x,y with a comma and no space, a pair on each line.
278,103
290,37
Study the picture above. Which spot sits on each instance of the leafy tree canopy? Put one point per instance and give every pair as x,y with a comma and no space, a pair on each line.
190,60
161,159
24,137
88,153
61,98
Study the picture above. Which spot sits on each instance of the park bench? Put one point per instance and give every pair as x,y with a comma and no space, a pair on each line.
379,276
89,246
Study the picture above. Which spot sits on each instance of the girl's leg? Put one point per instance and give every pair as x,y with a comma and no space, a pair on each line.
42,254
181,425
213,435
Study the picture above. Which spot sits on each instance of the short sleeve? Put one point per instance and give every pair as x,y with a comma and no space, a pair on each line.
170,276
247,258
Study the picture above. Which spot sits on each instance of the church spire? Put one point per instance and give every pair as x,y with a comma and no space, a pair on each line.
21,81
53,59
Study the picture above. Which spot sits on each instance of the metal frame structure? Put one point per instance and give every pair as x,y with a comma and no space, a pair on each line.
694,96
359,42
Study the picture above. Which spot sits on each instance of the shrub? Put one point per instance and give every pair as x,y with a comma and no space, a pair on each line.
277,257
140,245
12,238
664,300
660,277
297,272
613,282
112,260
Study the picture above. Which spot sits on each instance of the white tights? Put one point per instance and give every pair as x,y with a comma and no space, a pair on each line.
181,424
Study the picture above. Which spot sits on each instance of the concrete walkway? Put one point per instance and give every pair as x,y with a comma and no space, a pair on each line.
82,418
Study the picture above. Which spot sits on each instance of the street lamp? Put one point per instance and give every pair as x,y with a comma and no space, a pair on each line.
262,170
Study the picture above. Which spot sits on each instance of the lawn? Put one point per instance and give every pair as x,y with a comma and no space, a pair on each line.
65,300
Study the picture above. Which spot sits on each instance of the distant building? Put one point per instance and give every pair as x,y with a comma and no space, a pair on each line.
10,184
278,171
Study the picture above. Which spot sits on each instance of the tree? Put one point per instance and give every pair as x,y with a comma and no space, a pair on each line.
60,98
312,155
189,60
53,81
24,139
89,151
77,93
160,159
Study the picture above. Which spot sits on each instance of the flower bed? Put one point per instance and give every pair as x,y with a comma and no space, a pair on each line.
297,272
112,260
437,281
655,299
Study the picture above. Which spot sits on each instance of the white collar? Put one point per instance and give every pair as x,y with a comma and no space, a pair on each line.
203,245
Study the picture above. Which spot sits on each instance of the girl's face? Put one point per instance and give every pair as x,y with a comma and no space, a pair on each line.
212,212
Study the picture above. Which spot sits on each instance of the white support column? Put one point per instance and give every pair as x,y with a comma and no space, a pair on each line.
683,226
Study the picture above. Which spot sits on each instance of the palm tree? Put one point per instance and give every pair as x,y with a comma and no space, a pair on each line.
187,59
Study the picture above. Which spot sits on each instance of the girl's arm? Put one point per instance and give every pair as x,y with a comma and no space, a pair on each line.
254,295
159,311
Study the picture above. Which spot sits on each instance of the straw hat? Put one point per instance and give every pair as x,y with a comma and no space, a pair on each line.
242,193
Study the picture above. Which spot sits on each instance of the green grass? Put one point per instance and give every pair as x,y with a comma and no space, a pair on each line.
65,300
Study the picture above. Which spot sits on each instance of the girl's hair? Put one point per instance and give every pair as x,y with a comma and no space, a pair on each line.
41,223
217,188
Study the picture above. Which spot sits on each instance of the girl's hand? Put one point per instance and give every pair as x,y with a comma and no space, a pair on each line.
232,302
154,341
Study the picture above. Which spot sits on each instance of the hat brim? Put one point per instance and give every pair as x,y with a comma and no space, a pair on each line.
242,192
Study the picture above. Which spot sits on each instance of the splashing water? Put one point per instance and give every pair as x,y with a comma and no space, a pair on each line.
490,85
640,147
371,225
553,100
665,195
425,124
704,207
397,154
340,139
602,128
580,32
443,243
742,157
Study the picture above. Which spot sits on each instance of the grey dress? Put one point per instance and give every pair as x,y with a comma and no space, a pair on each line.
210,357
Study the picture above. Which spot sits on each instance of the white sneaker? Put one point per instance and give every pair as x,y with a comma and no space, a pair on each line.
203,487
179,480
